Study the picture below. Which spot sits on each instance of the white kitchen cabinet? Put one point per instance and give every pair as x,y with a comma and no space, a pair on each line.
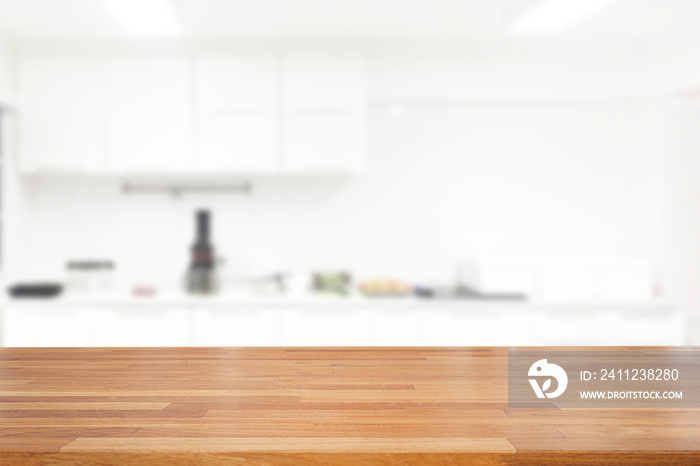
236,143
237,113
149,114
172,114
324,116
62,122
237,327
134,326
44,326
219,322
324,144
576,328
644,328
395,327
237,84
81,326
328,327
314,83
454,327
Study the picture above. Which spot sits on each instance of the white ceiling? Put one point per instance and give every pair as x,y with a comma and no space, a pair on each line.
350,18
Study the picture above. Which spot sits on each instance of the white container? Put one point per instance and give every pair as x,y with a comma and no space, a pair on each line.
596,279
90,277
494,275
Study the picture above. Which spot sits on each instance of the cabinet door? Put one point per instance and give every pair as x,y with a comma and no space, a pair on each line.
396,327
47,326
134,326
324,143
328,327
237,143
324,114
150,114
582,328
237,120
327,83
236,84
652,328
237,327
62,122
474,327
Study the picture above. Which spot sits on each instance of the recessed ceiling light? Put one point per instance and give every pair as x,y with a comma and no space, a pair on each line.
145,17
556,15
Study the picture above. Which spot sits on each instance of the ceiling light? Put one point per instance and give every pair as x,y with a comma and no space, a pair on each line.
145,17
556,15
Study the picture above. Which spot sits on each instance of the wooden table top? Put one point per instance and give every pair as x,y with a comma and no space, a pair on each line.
306,405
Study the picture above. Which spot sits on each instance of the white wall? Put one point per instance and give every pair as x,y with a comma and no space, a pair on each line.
8,183
7,63
562,76
683,204
573,178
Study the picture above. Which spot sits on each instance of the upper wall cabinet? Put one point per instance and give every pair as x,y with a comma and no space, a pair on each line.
324,113
62,117
237,114
149,108
219,114
314,83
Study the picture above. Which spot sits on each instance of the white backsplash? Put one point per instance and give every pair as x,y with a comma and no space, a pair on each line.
443,182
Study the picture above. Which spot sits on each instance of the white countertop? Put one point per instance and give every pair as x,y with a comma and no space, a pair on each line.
247,300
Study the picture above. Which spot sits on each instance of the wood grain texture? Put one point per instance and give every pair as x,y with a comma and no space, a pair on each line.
293,445
306,406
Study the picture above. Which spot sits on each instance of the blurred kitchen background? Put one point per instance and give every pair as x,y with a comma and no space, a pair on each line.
366,172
